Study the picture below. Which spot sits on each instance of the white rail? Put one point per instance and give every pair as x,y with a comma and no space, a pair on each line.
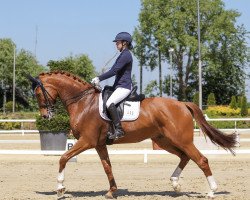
38,141
17,120
19,131
229,119
22,121
144,152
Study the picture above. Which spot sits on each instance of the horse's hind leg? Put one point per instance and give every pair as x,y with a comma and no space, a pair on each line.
103,154
176,174
202,162
166,145
77,148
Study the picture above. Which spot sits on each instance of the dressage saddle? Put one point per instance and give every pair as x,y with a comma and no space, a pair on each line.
133,96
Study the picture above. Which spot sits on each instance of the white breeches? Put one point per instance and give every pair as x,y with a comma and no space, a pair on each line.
117,96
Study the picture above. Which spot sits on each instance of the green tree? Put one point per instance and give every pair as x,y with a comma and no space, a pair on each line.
243,109
134,80
148,49
196,98
79,65
152,89
173,24
139,52
211,100
233,103
239,100
26,63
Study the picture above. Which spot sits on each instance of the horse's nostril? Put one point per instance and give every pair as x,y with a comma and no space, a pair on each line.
45,116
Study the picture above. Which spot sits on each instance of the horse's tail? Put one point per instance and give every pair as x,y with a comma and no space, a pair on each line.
226,141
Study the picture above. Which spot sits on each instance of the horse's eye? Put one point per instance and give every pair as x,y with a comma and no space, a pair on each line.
39,95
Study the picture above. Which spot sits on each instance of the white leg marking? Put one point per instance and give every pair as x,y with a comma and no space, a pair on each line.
212,183
213,186
60,179
175,178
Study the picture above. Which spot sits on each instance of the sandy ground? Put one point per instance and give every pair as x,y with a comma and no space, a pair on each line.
34,176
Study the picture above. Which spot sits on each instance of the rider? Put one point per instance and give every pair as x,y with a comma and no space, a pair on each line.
121,69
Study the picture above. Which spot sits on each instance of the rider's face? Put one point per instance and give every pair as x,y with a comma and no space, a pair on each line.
119,45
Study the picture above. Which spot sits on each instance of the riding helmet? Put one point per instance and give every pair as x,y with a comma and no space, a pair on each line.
125,36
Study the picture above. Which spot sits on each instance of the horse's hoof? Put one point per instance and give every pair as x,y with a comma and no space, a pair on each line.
109,195
60,192
177,188
210,195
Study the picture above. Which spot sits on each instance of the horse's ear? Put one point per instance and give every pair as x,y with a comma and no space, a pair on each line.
31,78
34,81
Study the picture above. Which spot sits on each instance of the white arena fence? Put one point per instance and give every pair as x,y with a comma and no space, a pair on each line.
21,121
23,131
144,152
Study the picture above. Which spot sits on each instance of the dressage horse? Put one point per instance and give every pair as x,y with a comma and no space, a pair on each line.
168,122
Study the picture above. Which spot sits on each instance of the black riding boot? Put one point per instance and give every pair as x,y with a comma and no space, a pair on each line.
117,123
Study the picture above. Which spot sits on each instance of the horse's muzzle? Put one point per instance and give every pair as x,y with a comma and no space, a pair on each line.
45,116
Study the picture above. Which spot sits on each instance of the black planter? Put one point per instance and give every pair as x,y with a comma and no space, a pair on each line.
53,140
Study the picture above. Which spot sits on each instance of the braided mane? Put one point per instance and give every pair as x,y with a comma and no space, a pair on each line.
68,74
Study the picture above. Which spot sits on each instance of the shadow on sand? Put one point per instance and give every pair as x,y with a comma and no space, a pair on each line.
126,192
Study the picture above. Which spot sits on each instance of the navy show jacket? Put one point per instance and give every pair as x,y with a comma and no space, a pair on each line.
122,69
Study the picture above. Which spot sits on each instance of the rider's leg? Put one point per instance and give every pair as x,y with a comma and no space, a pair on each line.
117,96
118,132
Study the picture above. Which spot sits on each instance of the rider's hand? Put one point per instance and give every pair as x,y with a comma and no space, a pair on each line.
95,81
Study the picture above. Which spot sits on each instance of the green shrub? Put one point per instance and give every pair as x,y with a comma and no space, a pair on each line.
211,100
229,124
239,100
225,112
56,124
17,125
222,111
233,103
10,125
8,106
248,105
196,98
243,109
59,122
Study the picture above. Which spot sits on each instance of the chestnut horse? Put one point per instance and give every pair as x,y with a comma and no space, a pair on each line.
168,122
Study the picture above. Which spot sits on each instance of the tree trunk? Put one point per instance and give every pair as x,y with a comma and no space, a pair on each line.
181,94
140,78
160,78
188,70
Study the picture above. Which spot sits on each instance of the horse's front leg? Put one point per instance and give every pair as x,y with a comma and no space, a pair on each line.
103,154
77,148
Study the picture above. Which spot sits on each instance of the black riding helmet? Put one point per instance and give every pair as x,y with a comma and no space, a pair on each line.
124,36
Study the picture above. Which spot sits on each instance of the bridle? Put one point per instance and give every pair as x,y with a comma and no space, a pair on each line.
48,99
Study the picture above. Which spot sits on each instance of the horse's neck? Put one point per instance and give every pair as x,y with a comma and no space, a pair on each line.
67,87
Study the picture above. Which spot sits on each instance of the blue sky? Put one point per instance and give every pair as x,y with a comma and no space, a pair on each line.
67,27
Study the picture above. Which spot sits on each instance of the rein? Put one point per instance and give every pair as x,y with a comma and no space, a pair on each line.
76,98
48,103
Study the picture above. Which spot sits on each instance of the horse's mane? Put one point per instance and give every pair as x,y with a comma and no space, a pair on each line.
68,74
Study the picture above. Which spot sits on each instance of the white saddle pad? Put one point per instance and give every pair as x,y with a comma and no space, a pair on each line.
131,110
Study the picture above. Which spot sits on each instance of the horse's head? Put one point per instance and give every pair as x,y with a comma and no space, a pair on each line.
46,96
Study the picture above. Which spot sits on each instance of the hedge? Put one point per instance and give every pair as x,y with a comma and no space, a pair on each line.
226,112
